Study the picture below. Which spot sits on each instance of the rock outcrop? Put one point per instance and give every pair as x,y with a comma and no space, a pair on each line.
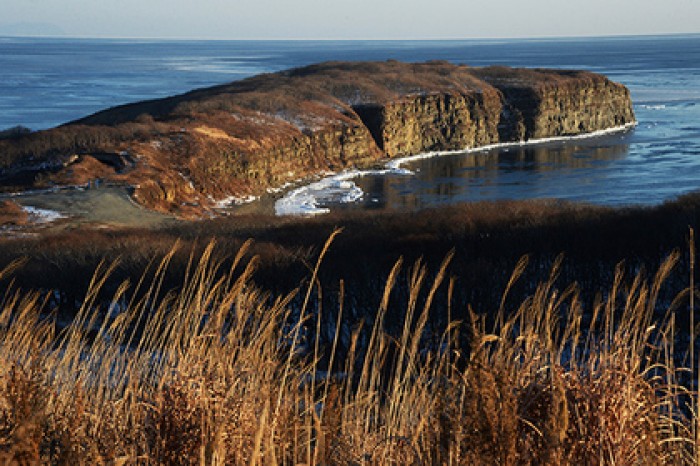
183,153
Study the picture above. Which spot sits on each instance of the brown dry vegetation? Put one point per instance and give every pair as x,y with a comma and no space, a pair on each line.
220,351
488,239
12,213
220,372
278,98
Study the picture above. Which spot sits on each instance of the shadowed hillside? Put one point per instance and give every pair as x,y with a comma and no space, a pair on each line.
488,240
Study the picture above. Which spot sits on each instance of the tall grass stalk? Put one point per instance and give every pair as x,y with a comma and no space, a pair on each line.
219,372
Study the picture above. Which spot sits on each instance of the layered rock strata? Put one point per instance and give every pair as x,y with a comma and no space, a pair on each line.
182,154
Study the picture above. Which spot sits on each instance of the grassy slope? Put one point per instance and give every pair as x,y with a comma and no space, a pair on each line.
503,389
488,240
218,373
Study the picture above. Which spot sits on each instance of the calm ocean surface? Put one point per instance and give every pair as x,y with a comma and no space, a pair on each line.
45,82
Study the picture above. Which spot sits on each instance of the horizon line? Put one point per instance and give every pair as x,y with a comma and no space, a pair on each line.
326,39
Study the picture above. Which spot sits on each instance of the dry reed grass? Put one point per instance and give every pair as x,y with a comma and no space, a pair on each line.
219,372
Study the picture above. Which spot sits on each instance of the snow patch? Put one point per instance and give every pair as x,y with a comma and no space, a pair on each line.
234,200
37,215
283,187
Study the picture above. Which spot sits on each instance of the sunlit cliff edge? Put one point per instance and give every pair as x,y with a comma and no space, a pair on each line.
184,153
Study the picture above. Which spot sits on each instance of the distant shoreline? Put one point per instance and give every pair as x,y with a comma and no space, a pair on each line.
409,39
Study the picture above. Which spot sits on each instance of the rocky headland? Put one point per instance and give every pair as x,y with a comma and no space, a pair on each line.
182,154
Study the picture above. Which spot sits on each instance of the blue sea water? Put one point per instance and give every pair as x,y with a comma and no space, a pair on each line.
46,82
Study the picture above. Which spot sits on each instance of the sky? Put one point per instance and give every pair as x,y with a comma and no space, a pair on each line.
349,19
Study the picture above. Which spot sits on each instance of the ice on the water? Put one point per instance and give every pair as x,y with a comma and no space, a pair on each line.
339,188
309,199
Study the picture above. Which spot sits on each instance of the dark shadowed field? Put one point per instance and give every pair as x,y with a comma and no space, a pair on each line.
488,240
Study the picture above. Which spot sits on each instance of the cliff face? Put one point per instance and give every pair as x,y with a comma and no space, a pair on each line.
434,122
568,103
182,153
517,105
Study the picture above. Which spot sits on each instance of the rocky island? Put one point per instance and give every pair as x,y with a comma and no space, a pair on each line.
182,154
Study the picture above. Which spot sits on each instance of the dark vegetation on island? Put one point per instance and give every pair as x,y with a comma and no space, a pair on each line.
16,132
